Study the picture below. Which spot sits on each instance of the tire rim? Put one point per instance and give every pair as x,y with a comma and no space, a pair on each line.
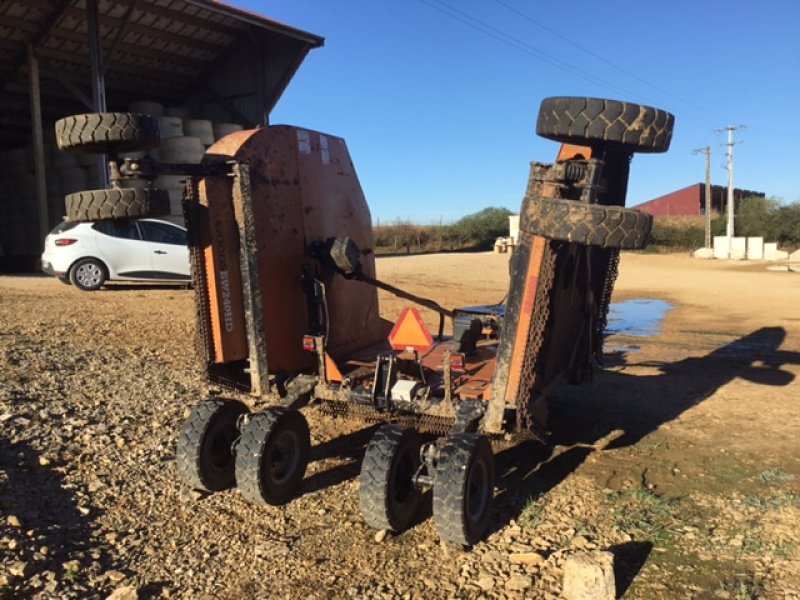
283,457
89,275
402,489
477,491
219,455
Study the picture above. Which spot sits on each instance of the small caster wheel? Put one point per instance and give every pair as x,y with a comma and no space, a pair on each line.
272,456
205,456
463,486
388,497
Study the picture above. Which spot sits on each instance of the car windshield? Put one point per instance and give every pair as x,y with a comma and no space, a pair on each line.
62,227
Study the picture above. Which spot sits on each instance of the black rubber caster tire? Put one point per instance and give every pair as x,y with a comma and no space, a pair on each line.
463,488
387,495
205,453
620,125
88,274
272,456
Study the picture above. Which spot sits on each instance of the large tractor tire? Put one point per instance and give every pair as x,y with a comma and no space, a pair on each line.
107,133
123,203
587,224
622,125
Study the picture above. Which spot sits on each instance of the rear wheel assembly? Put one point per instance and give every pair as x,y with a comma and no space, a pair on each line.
205,454
388,497
107,133
588,224
619,125
463,487
272,456
122,203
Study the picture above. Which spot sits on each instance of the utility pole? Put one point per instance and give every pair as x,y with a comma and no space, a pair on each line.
729,153
707,152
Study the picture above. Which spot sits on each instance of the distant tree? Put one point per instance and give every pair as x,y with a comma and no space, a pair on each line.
787,224
482,228
756,216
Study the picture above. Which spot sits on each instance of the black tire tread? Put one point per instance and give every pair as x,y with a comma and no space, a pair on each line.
121,203
628,126
375,473
249,453
588,224
449,488
103,133
188,457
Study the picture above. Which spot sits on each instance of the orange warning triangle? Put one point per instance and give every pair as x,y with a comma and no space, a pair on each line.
409,331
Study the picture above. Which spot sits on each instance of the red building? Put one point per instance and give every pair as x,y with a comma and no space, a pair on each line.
690,201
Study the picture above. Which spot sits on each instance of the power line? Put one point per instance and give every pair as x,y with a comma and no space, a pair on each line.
523,46
502,36
602,59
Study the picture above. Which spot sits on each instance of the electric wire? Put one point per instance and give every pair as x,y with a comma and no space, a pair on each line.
602,59
501,36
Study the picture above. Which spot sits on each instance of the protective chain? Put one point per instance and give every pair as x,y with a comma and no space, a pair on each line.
434,424
603,304
538,329
202,332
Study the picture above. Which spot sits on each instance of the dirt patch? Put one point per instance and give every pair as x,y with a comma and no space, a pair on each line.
681,457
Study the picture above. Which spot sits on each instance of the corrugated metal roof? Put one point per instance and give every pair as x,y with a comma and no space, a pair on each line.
158,49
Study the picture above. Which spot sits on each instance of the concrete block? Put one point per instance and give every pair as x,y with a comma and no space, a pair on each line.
770,249
755,248
738,248
795,256
781,255
589,576
704,253
721,249
513,227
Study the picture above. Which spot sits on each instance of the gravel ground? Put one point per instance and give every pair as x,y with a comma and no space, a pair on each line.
95,388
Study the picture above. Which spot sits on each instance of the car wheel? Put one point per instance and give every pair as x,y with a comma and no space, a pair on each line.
88,274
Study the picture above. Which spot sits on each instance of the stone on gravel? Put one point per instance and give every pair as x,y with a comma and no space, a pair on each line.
381,535
526,558
589,576
518,583
125,592
19,569
485,581
115,576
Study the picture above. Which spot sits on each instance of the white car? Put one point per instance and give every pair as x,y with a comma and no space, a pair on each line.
89,254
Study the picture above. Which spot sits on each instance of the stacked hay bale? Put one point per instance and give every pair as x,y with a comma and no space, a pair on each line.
183,140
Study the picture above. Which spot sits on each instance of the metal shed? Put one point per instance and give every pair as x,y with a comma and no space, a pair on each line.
209,59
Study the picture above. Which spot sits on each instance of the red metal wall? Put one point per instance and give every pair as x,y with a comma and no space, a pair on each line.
681,203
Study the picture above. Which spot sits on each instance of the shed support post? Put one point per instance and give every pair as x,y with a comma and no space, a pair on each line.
98,76
38,145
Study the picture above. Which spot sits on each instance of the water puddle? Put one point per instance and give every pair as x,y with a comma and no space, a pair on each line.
640,317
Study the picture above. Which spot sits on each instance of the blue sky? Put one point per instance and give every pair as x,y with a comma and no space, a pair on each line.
439,115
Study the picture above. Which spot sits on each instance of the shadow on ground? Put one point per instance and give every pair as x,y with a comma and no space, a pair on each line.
42,522
626,408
